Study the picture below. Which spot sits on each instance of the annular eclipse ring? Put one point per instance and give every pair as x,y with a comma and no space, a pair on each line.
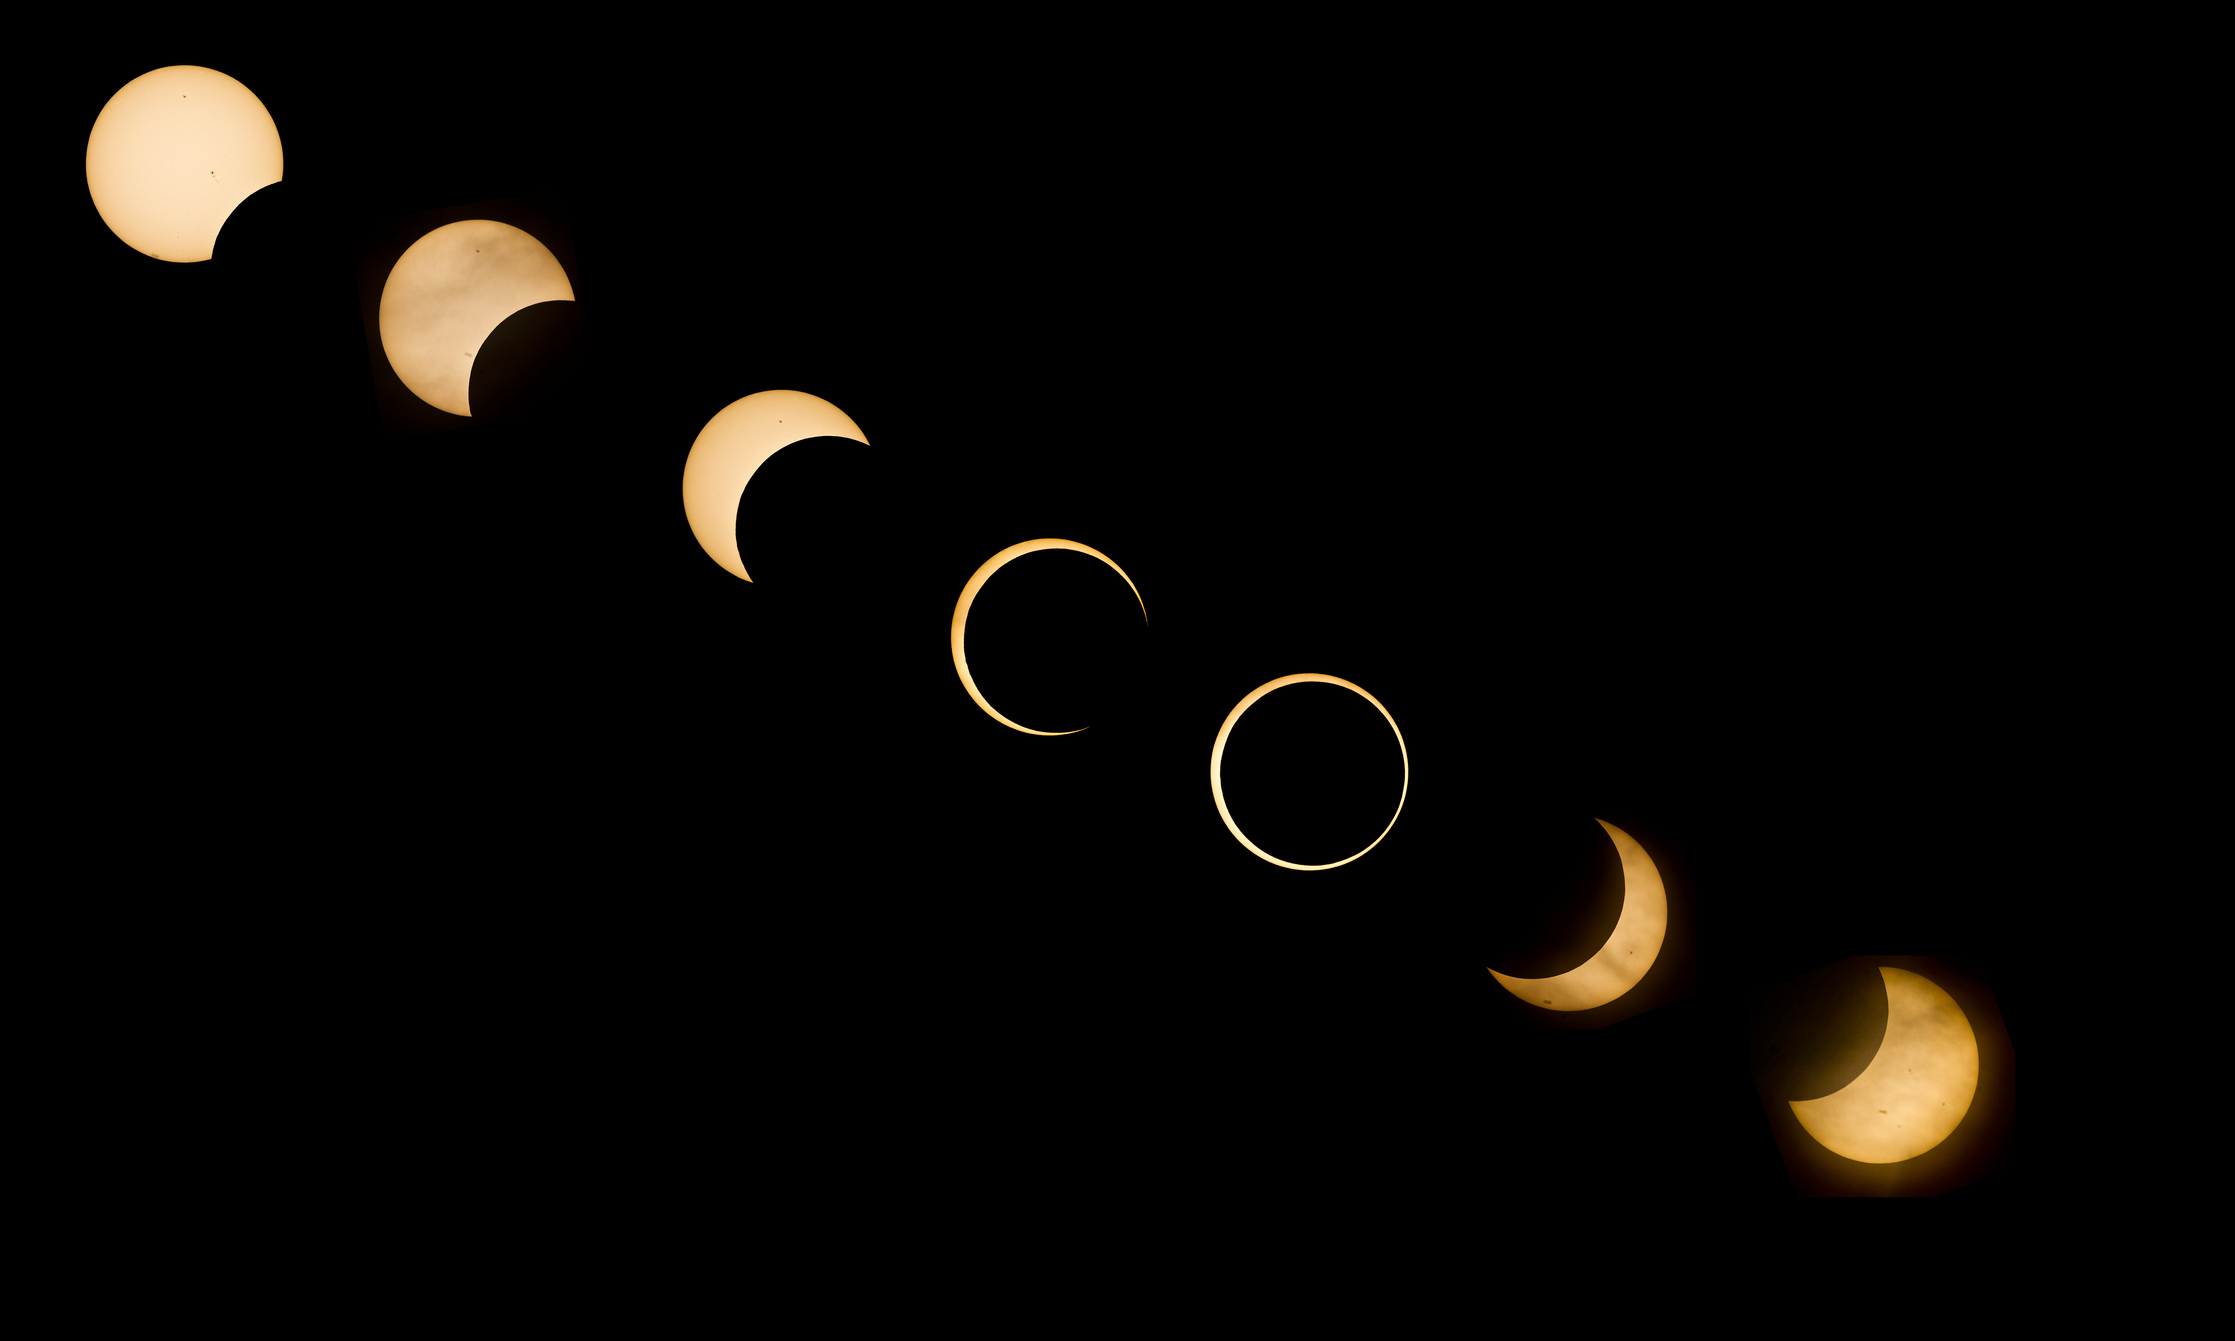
1218,752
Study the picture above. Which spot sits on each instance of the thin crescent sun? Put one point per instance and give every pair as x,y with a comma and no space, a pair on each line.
1218,754
970,593
1630,950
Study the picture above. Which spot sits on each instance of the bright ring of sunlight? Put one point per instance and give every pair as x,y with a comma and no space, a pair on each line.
1218,752
970,593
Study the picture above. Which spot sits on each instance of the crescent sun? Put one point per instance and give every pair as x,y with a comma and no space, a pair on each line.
1617,965
970,593
1218,755
1915,1090
732,446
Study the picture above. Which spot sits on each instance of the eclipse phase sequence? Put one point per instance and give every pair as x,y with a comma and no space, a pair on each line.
1218,755
1617,966
1917,1087
173,153
732,446
449,291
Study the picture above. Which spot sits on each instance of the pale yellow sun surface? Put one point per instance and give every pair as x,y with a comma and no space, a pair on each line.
1218,756
977,583
448,291
734,443
1915,1090
1630,950
172,154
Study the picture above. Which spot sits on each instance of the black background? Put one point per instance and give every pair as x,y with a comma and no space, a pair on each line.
1630,453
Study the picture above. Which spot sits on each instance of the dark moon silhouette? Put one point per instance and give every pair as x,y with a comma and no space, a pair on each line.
842,610
284,295
530,363
1812,1035
820,519
265,228
1552,892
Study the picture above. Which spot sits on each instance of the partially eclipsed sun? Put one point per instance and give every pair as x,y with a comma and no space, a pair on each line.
1917,1088
171,155
448,291
1629,952
733,445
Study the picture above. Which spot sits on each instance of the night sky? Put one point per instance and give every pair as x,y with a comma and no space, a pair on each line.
1635,471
